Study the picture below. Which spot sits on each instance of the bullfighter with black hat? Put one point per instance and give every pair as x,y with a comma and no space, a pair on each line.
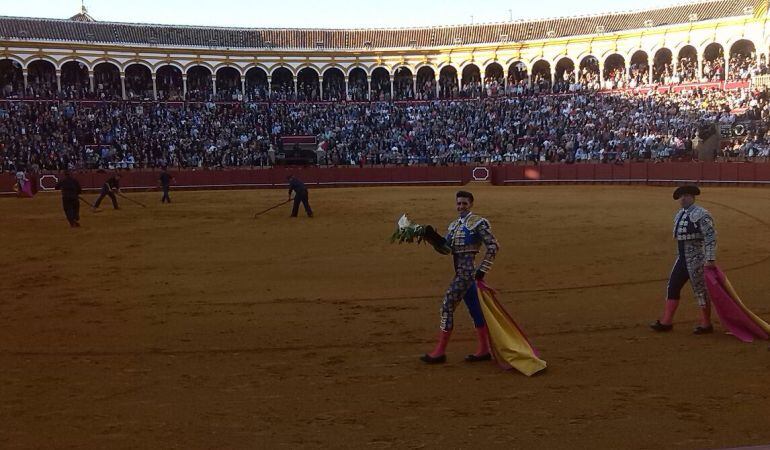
696,241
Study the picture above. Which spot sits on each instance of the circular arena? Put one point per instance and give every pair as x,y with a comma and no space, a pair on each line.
213,319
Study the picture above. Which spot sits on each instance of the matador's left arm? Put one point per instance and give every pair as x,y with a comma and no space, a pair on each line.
709,237
490,242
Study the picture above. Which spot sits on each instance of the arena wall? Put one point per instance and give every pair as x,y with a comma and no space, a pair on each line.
754,174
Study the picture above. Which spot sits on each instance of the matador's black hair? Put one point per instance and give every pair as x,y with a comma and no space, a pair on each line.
465,194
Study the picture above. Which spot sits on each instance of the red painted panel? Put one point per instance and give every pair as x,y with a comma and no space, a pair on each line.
397,174
516,173
685,171
568,172
659,172
603,172
710,171
746,172
547,172
728,171
762,172
638,171
497,175
585,171
621,172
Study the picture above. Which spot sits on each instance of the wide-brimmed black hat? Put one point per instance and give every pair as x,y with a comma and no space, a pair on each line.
683,190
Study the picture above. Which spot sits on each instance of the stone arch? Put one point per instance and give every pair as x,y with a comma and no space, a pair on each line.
399,66
541,74
687,64
448,82
356,66
471,80
614,63
333,65
169,81
282,82
588,71
138,81
426,82
107,79
403,83
358,86
662,65
334,83
714,62
308,83
743,59
518,72
71,58
312,67
11,78
168,62
75,82
380,88
41,78
12,57
494,79
229,65
46,58
228,81
200,86
140,62
565,70
194,64
257,87
639,65
106,60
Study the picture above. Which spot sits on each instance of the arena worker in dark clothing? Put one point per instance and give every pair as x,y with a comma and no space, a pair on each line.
70,193
300,196
165,182
109,188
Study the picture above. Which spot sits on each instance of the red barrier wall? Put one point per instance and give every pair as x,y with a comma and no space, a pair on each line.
648,173
270,178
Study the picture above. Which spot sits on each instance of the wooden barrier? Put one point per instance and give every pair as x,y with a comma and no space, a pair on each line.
645,173
265,178
630,173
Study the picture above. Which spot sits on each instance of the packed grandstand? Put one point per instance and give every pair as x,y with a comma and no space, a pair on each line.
81,93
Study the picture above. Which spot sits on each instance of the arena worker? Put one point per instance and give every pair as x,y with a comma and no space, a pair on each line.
70,193
165,182
300,196
109,188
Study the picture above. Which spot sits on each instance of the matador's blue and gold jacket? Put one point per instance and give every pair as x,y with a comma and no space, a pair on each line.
466,234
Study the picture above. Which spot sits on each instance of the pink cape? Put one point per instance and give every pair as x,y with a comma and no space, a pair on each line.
733,314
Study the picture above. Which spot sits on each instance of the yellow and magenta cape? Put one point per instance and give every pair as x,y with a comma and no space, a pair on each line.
510,346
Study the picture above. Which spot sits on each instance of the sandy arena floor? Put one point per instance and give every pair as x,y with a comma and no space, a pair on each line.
192,325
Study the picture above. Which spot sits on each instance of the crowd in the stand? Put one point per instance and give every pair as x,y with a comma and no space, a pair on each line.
74,83
572,127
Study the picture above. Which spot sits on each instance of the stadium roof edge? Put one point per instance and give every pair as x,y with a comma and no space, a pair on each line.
423,27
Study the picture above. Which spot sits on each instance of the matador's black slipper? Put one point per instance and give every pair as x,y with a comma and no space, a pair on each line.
477,358
426,358
657,326
703,330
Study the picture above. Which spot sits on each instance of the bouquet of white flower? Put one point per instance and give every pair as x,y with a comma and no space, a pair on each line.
408,231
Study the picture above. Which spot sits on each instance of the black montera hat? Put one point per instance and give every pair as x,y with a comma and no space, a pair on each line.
682,190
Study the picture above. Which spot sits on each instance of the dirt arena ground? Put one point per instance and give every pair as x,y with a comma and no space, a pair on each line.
193,325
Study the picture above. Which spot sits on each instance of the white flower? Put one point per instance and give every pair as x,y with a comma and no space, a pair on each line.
404,222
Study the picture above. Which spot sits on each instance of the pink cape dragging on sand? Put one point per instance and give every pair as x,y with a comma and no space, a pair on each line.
510,346
733,314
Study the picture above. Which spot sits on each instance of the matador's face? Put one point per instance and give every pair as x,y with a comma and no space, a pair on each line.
686,200
464,205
